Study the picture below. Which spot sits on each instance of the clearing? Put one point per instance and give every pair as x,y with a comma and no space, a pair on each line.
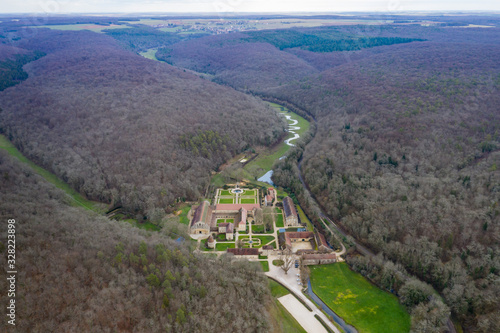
357,301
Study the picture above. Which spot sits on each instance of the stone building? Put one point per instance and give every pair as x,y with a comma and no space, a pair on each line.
291,217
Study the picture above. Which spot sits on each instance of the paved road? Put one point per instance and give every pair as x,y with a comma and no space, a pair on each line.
305,318
290,281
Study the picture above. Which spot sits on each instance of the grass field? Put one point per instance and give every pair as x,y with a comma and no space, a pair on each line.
226,201
264,162
76,198
277,290
183,215
264,240
279,221
150,54
285,320
225,192
219,221
265,266
304,219
76,27
145,226
259,229
273,244
357,301
224,246
248,201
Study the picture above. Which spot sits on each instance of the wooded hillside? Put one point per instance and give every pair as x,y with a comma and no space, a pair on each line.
79,272
406,152
114,125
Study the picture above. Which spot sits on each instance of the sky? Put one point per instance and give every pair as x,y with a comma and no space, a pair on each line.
242,6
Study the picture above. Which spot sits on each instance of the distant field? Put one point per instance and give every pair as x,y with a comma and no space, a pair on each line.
357,301
150,54
76,27
77,198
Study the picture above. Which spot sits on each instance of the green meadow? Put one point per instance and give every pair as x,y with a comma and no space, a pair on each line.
360,303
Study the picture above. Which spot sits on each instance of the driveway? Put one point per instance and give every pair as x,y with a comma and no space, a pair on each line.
290,281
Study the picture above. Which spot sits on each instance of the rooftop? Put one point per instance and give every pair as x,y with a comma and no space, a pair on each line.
289,207
244,252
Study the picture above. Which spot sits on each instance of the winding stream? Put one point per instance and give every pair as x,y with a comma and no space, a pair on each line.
292,128
266,178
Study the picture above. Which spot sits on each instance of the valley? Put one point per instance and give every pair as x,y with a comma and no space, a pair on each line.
168,167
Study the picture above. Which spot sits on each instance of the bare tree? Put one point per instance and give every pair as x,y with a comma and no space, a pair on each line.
304,272
286,258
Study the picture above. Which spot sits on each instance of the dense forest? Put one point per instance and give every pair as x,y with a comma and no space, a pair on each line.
80,272
113,124
403,153
406,152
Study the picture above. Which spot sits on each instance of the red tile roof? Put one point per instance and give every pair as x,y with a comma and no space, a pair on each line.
298,234
236,206
321,256
244,252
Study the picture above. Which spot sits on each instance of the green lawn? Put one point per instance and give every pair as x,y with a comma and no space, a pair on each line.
218,180
264,240
224,246
265,266
249,192
279,221
277,290
76,198
259,229
183,216
226,201
146,225
248,201
287,322
357,301
304,219
150,54
225,192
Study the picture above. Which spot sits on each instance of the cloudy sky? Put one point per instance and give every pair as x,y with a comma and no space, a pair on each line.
214,6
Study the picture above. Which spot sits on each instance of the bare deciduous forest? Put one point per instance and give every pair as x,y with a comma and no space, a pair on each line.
80,272
406,151
403,153
114,125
